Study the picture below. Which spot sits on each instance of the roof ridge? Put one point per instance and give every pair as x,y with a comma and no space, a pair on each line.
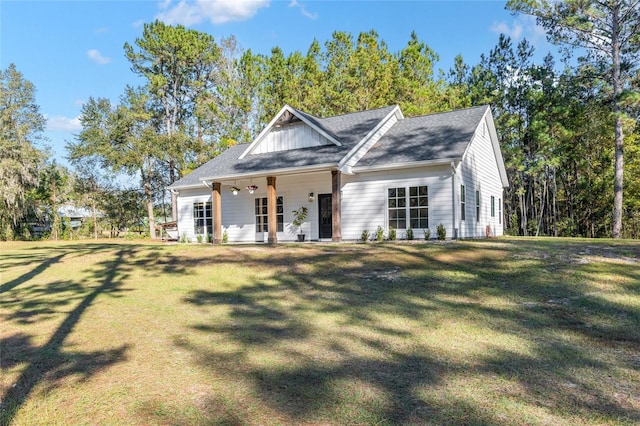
448,112
356,112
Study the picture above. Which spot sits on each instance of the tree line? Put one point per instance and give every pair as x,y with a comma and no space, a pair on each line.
563,124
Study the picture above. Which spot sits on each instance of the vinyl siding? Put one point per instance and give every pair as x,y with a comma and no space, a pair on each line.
364,199
364,203
478,171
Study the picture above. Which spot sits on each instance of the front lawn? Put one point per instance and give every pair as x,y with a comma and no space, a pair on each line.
495,332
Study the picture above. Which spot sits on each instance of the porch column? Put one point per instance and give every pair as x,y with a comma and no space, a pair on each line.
336,222
174,205
217,213
272,218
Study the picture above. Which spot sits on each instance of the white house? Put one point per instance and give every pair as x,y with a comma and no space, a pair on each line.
353,172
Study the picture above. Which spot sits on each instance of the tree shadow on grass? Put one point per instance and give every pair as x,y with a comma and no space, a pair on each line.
31,274
50,363
424,284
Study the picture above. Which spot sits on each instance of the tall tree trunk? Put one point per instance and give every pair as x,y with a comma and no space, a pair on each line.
152,222
523,214
95,221
148,192
619,136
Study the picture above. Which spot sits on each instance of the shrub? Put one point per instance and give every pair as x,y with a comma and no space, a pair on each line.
299,217
379,234
409,234
392,234
183,239
365,235
199,238
442,232
225,237
427,234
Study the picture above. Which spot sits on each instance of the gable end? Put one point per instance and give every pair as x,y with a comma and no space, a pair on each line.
289,130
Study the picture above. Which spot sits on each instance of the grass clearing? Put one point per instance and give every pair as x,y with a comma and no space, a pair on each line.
501,331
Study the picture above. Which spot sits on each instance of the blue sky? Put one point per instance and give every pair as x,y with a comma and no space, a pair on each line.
73,50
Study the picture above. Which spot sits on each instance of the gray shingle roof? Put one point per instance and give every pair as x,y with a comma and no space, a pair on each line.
425,138
348,129
429,137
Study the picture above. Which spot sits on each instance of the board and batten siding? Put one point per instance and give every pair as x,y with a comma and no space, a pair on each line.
364,199
478,171
292,136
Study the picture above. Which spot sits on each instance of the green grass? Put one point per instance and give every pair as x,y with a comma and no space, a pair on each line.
495,332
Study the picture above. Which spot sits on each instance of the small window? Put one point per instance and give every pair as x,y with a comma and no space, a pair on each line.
493,206
478,206
262,217
202,219
397,206
418,207
463,203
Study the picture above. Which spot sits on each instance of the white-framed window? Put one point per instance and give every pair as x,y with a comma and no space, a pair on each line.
202,218
262,217
419,207
500,210
493,206
397,205
463,203
478,206
412,203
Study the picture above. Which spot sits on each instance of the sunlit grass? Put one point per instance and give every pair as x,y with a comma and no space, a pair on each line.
502,331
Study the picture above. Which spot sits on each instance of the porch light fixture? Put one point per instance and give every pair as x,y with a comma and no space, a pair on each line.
252,188
311,198
235,190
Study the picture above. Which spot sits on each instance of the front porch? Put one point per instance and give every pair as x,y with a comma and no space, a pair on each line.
265,203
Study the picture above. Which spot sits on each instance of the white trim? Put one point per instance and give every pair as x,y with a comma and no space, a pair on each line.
190,186
496,148
274,172
269,126
407,165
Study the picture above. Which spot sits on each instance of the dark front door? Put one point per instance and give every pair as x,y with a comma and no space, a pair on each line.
325,210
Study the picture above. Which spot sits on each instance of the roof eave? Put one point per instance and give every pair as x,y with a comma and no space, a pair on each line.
406,165
273,172
174,187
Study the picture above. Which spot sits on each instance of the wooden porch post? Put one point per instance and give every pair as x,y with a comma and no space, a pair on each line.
336,222
217,213
272,218
174,205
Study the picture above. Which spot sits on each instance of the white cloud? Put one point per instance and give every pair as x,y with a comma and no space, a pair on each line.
97,57
63,124
189,13
303,10
503,28
524,26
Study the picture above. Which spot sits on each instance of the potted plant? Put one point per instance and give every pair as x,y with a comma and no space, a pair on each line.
299,217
